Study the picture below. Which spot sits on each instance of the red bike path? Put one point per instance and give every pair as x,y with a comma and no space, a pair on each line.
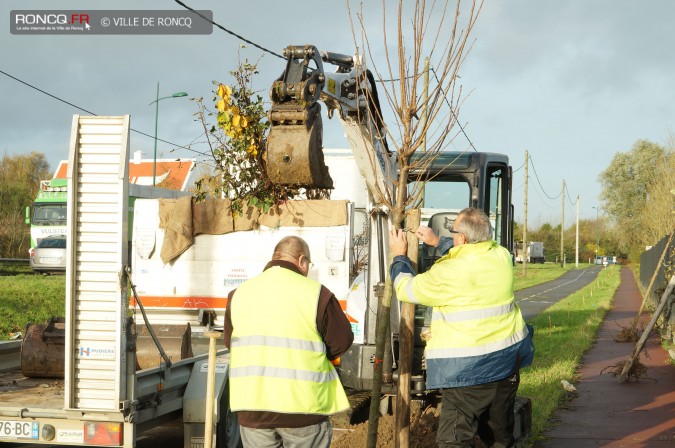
604,413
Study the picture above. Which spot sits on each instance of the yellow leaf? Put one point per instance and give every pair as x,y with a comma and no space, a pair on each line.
224,91
244,121
252,149
221,105
235,120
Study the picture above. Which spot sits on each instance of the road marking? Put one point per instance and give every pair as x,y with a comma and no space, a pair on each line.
552,289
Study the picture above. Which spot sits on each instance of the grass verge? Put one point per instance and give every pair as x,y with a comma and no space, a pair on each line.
28,298
563,333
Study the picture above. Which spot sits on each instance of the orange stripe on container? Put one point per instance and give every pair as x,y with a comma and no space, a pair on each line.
198,302
181,301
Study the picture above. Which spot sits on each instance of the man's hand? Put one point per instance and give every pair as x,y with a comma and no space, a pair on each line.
427,236
398,245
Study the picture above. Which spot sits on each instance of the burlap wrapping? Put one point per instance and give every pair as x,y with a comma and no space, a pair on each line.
182,219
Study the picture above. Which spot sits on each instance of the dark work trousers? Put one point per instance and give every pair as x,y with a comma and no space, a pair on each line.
485,410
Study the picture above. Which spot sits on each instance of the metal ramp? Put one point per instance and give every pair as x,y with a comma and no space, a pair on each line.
96,296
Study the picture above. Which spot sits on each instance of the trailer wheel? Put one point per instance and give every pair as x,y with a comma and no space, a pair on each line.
227,428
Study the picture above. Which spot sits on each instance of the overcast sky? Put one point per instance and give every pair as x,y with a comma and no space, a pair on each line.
573,82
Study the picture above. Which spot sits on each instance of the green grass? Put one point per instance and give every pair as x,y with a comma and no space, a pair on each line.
563,333
539,273
29,298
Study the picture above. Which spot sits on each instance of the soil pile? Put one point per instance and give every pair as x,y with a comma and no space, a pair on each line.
423,427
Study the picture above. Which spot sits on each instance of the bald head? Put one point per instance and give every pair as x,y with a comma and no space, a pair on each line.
295,250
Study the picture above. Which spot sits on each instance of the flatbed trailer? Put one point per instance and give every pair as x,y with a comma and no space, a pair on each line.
104,397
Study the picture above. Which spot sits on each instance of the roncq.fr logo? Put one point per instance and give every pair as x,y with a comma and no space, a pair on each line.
51,19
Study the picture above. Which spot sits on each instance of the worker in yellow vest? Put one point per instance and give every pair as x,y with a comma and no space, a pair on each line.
479,339
283,329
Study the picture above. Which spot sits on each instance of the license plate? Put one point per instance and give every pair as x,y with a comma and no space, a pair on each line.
11,429
49,259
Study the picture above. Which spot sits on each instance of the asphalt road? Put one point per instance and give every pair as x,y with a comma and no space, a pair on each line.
532,301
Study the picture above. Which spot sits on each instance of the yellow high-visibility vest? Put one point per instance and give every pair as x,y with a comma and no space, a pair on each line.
476,327
278,359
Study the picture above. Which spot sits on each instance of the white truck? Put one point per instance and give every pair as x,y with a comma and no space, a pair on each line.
535,252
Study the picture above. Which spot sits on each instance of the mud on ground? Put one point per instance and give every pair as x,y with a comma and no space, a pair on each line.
424,424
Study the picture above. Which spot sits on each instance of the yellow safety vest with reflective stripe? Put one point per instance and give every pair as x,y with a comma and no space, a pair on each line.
278,359
476,326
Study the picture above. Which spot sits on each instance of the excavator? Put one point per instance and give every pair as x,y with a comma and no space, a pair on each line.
451,182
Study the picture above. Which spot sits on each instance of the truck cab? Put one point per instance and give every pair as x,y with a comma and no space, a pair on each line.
450,183
456,180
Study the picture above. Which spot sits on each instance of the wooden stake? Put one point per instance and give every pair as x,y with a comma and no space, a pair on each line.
405,345
210,387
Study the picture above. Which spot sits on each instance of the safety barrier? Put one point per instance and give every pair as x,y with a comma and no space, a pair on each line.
649,264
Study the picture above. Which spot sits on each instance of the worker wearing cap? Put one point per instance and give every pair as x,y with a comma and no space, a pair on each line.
283,329
479,338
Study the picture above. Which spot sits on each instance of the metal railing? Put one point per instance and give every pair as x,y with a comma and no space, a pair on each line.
649,264
10,352
14,261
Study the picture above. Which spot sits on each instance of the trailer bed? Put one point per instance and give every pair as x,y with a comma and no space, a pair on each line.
16,389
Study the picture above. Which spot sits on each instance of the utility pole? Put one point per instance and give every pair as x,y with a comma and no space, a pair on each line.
562,228
596,234
527,159
577,257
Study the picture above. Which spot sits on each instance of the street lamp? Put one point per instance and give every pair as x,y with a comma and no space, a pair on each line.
596,235
154,158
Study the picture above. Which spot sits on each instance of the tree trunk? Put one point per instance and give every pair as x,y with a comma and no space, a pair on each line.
382,328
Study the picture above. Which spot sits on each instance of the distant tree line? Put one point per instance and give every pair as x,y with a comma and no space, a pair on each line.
20,178
637,195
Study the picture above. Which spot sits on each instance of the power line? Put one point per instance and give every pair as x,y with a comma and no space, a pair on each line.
250,42
539,182
96,115
47,93
445,97
569,196
266,50
229,31
518,169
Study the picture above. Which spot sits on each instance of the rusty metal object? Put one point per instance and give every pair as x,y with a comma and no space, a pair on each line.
176,340
43,349
294,154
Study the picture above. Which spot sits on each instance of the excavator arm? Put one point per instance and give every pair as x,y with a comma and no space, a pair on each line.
294,153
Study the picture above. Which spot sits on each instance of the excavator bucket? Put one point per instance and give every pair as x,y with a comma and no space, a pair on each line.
294,154
43,349
176,340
